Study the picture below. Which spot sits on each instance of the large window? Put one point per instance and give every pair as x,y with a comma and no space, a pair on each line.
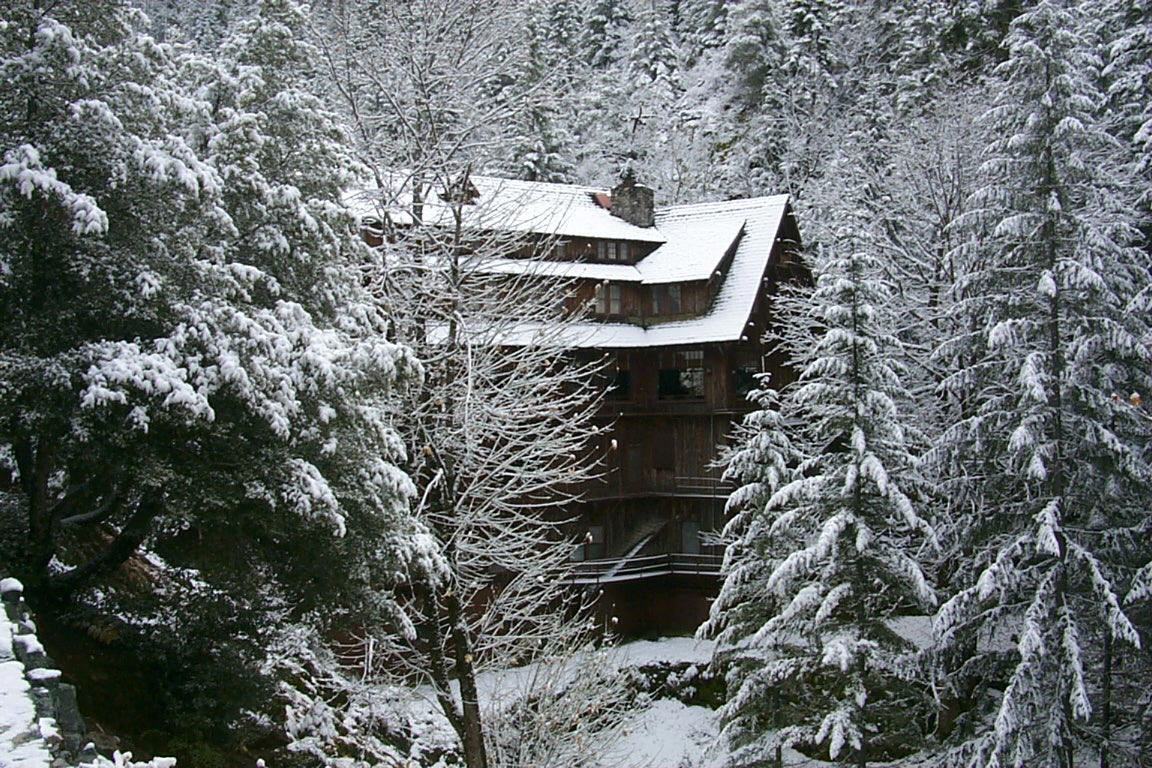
621,386
682,375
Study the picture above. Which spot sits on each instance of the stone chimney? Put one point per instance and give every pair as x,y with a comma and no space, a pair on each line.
632,202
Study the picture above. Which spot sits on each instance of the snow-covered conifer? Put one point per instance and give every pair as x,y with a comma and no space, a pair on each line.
605,26
752,49
1052,465
826,542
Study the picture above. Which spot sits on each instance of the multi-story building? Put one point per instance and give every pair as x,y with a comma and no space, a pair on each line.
681,301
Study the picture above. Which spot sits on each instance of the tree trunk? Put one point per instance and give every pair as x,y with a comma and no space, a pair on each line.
34,466
1106,703
475,755
131,536
430,636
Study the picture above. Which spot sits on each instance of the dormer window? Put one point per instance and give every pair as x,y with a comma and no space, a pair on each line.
610,250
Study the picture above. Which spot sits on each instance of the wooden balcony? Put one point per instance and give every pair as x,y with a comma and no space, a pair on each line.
656,483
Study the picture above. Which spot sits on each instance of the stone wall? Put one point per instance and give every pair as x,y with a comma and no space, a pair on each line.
40,724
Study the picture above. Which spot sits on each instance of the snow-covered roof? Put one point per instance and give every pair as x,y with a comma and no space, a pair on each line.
727,318
692,243
697,239
694,248
509,205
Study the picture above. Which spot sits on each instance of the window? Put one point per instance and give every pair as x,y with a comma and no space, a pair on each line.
608,300
559,250
690,537
621,387
666,299
618,379
683,378
608,250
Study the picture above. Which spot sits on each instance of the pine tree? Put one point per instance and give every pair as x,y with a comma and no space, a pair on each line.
1056,303
762,461
752,49
830,555
705,28
602,44
1126,30
654,60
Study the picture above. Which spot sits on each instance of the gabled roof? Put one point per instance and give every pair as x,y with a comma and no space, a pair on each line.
694,247
727,318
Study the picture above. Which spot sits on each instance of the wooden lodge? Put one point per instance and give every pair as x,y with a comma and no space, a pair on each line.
681,300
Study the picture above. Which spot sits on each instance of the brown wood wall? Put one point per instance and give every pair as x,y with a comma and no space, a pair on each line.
582,249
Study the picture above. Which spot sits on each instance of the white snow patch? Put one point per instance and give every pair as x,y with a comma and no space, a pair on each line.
672,734
20,741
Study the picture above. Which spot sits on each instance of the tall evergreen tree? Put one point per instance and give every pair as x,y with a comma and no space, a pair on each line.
603,41
1057,302
830,555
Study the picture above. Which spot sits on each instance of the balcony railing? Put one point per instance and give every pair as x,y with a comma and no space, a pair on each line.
610,570
658,483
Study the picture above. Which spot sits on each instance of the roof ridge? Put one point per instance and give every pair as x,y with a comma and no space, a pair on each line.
735,204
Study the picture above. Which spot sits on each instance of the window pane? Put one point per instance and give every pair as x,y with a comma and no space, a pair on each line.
674,299
692,382
670,383
594,546
601,249
614,299
690,537
621,388
686,380
623,251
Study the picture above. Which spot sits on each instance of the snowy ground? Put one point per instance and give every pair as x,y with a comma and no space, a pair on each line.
670,734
